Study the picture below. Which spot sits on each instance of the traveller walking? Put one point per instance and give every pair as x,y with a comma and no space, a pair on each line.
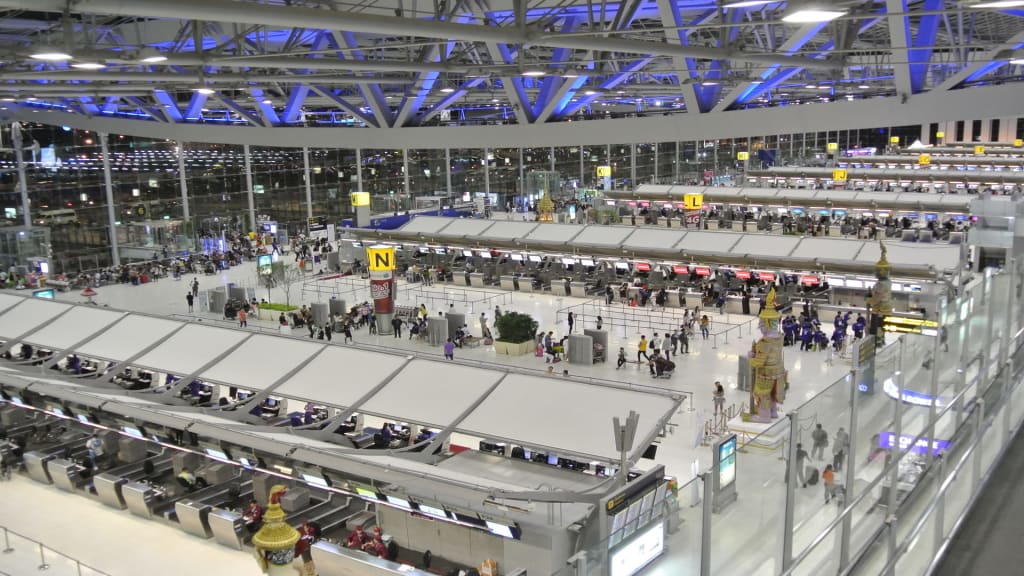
820,438
396,326
642,349
719,397
622,358
666,345
705,326
801,463
840,444
572,320
190,299
828,479
655,344
195,287
684,340
328,330
449,350
675,341
94,448
242,318
600,322
347,329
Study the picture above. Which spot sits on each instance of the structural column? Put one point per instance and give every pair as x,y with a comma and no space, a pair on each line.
656,146
19,153
248,187
632,166
115,253
309,181
522,178
183,183
359,169
582,169
405,173
551,153
448,170
487,173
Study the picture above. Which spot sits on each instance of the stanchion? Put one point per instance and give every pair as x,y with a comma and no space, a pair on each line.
42,559
7,542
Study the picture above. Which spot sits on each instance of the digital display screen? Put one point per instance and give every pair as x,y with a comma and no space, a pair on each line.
587,262
401,503
431,511
467,253
680,270
809,280
366,493
727,462
632,556
766,276
485,255
83,419
424,250
440,251
315,480
517,257
568,261
48,294
647,503
553,459
17,400
133,431
743,274
501,530
702,271
57,411
534,258
835,282
643,267
621,266
217,454
246,463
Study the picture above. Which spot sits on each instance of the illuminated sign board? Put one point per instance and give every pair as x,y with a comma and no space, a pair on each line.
727,462
631,557
360,198
904,325
693,201
839,175
924,159
380,258
604,171
743,156
979,150
888,440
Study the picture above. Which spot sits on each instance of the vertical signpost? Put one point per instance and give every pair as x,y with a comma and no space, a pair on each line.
693,203
724,472
604,173
380,261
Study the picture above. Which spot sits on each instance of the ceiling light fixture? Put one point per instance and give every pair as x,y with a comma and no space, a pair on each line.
811,12
590,93
1002,4
748,3
811,86
709,83
206,91
1017,61
266,101
51,56
89,66
153,58
534,73
863,86
447,89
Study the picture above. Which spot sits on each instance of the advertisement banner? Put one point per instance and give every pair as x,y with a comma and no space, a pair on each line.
692,217
381,292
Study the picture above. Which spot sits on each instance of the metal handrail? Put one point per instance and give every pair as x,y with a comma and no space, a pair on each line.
43,565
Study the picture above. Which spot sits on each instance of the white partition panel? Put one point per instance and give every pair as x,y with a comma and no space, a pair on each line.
75,326
553,233
457,228
261,361
563,415
831,249
426,224
765,246
431,392
340,376
190,349
602,235
128,337
508,230
709,242
30,313
653,239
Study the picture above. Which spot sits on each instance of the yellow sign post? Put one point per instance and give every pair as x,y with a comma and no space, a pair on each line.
894,140
360,198
380,258
693,201
924,160
743,156
979,150
1018,143
839,175
832,146
940,135
604,171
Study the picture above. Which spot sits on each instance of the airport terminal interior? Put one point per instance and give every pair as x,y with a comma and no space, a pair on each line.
516,288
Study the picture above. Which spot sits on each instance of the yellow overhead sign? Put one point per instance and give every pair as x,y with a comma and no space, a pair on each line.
894,139
924,159
360,198
380,258
743,156
693,201
832,146
839,175
1018,143
604,171
979,150
940,134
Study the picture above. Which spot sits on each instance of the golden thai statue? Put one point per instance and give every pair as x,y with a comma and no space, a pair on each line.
545,209
275,541
770,380
880,298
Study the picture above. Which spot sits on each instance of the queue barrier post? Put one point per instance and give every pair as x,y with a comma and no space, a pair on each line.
42,559
7,542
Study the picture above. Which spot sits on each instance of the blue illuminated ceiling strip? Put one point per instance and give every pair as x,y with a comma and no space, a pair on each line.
372,94
450,99
921,52
195,106
240,110
89,105
296,99
110,104
508,56
550,84
611,82
169,103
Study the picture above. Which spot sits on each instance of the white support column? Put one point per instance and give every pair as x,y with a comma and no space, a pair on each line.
19,154
405,173
115,253
656,149
487,173
309,181
551,156
522,178
986,130
448,170
248,187
183,183
583,172
359,169
632,166
675,166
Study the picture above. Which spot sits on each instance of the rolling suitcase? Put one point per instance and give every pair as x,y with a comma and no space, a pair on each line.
812,475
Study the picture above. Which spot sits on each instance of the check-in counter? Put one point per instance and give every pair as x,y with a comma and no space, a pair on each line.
227,527
109,484
461,278
476,279
524,284
67,475
146,500
508,282
194,511
672,298
578,289
193,517
560,287
35,465
340,561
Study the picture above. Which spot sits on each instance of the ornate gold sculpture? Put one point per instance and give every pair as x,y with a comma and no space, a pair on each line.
545,209
770,379
275,541
880,298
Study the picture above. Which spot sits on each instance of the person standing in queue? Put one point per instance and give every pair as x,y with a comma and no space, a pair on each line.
642,349
242,318
719,397
94,447
828,480
347,329
190,299
572,321
705,326
449,350
195,287
396,326
600,322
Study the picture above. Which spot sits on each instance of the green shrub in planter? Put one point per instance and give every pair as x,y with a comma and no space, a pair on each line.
278,307
516,328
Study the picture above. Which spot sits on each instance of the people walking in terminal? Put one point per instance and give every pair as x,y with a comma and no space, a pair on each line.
801,463
242,319
622,358
820,438
719,397
396,326
684,339
347,329
840,444
94,446
655,345
327,330
609,294
675,341
828,480
449,350
858,327
190,299
705,326
571,320
666,345
642,349
195,287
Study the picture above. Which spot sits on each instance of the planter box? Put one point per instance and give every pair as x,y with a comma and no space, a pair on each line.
514,349
272,315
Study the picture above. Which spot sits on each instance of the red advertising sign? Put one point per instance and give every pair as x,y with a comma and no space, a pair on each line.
702,270
692,217
643,267
380,292
743,274
680,270
766,276
809,280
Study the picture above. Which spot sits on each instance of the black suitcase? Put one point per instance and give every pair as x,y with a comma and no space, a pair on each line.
812,475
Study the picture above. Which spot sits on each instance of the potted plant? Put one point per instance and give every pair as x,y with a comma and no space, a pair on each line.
271,312
515,334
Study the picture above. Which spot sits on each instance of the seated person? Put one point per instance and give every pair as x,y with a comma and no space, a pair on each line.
281,320
188,480
663,366
253,516
357,538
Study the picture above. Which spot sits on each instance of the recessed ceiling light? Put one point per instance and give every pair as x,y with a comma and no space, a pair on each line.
812,15
495,100
206,91
709,83
570,75
1000,4
266,101
1017,61
824,87
534,73
748,3
864,87
33,98
51,56
590,93
89,66
154,59
447,90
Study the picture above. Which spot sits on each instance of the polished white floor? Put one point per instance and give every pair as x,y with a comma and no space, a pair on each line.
761,477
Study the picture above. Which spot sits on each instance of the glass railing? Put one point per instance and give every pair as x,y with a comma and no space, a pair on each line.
23,555
907,477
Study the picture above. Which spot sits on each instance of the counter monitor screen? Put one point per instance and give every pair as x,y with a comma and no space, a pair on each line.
431,511
534,258
83,419
643,267
133,431
246,463
314,480
424,250
500,530
517,257
441,251
553,459
401,503
57,411
366,493
485,255
621,266
217,453
467,253
568,261
587,262
17,400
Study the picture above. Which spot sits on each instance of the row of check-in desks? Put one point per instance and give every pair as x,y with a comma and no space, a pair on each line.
144,482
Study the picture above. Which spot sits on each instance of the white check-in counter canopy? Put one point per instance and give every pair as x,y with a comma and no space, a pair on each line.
393,386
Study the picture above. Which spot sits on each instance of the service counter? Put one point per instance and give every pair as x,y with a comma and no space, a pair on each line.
68,475
150,500
227,527
194,512
36,461
109,484
340,561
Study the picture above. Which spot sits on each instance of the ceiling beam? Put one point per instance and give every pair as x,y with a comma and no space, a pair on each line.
899,41
985,63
